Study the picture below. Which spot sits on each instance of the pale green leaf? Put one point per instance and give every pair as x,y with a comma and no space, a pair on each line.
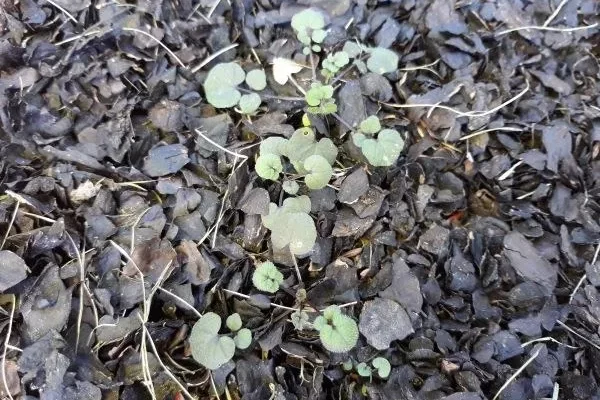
371,125
319,172
268,166
273,145
256,79
385,150
339,334
308,19
352,49
318,35
299,320
249,103
234,322
340,59
382,61
208,347
363,370
290,187
383,367
266,277
243,338
291,225
220,84
358,139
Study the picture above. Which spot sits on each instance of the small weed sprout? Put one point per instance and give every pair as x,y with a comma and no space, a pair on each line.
379,365
221,85
320,99
267,277
309,27
333,63
338,332
382,151
212,349
310,158
291,225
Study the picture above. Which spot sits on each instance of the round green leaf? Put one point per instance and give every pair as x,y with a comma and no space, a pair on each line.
382,61
223,97
268,166
363,370
273,145
319,172
234,322
290,187
313,97
316,48
266,277
207,346
371,125
256,79
243,338
385,150
297,230
318,35
383,367
220,84
308,19
339,333
347,365
340,59
249,103
358,139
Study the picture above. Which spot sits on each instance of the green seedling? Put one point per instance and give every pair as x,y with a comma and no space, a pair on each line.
320,99
291,187
309,158
212,349
333,63
221,87
267,277
300,319
338,332
379,365
381,151
291,225
309,27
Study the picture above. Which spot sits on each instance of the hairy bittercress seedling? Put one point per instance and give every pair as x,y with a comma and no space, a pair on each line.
379,364
211,349
338,332
382,151
221,85
267,277
309,26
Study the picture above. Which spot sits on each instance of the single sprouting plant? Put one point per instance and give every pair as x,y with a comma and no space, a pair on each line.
333,63
338,332
212,349
310,158
309,26
320,99
267,277
221,85
300,320
382,151
291,225
379,364
382,61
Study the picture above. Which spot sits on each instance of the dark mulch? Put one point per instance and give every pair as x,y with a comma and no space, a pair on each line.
474,254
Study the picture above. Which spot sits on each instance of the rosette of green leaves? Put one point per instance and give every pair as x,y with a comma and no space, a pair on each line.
320,99
291,225
221,87
310,158
381,151
338,332
267,277
309,26
379,365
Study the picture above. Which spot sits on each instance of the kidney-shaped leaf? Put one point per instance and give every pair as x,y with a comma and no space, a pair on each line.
383,151
382,61
319,172
208,347
256,79
249,103
220,84
268,166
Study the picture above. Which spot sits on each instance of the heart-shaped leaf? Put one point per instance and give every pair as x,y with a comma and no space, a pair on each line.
208,347
273,145
338,332
291,225
256,79
290,187
382,366
268,166
302,145
243,338
234,322
383,151
249,103
370,126
283,68
220,84
319,172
